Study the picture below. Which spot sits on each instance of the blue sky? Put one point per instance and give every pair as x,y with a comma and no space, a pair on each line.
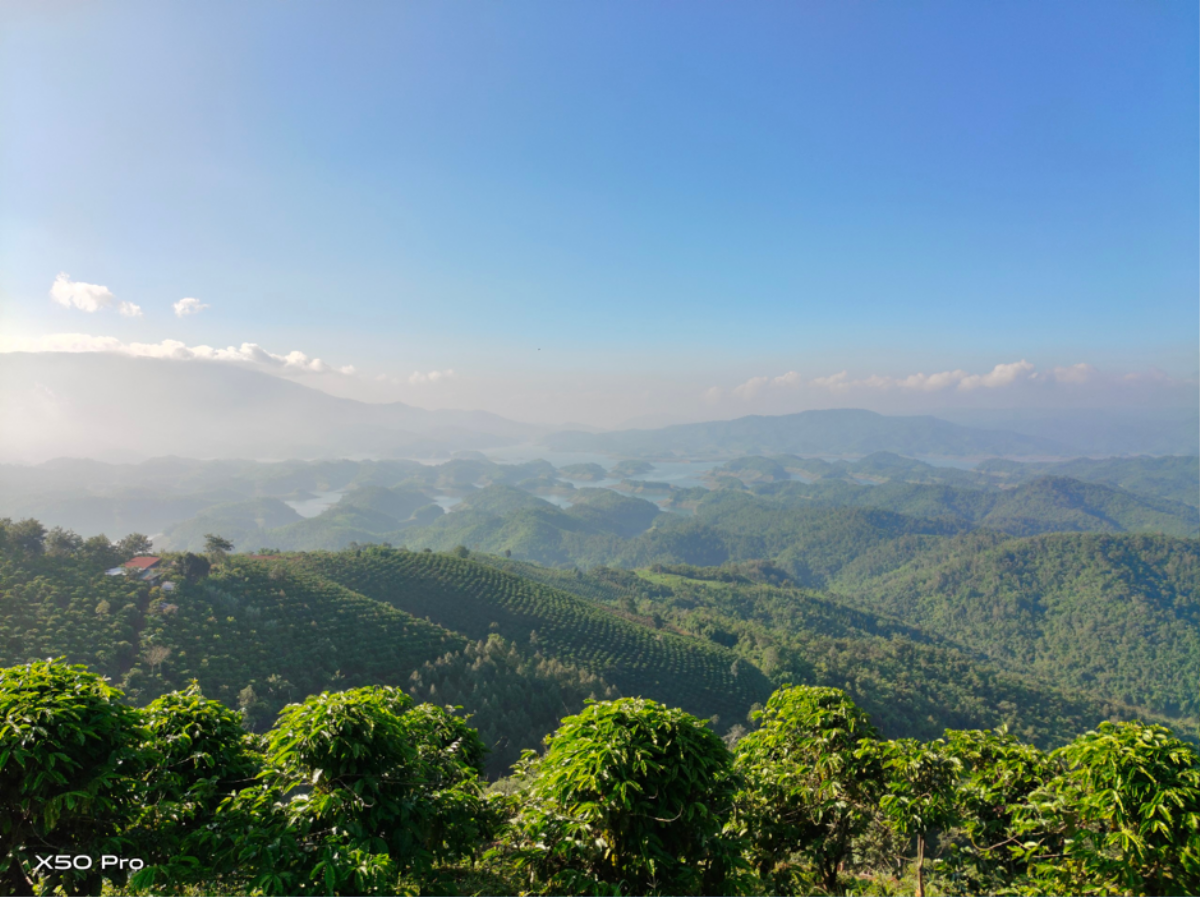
608,209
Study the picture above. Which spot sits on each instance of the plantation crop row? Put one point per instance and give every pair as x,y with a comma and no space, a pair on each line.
251,621
477,600
64,607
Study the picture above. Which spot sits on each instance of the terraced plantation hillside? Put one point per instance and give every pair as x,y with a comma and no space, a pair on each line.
476,599
52,607
269,627
252,620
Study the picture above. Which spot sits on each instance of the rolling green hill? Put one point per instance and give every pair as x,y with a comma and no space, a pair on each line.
913,683
1114,615
1045,504
244,624
927,629
243,522
477,600
1173,477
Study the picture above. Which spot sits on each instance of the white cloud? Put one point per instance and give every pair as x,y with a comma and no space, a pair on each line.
130,310
755,385
751,388
1076,373
1000,376
188,306
89,297
834,382
713,394
247,353
416,377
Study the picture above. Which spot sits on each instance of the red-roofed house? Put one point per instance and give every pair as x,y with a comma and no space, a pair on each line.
142,563
143,567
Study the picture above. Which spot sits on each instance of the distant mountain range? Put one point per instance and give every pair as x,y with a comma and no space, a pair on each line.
115,408
111,407
838,432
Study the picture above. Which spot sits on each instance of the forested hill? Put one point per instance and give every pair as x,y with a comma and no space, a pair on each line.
1116,615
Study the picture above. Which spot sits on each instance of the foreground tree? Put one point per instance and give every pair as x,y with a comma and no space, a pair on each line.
194,754
1126,813
358,788
997,775
920,791
810,788
630,798
67,745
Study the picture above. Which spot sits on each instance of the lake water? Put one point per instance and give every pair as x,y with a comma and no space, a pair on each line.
311,507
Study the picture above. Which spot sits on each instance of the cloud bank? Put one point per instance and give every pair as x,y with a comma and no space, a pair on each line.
250,354
999,377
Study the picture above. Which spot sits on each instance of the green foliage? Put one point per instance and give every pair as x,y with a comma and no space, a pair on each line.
51,607
911,684
514,700
1175,478
26,536
217,547
1126,813
630,798
361,792
378,788
194,753
611,512
67,744
192,567
919,796
272,626
1041,505
998,774
810,789
1115,615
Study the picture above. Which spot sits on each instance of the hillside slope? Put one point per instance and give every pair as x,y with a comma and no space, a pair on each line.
1041,505
477,600
912,683
1112,614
